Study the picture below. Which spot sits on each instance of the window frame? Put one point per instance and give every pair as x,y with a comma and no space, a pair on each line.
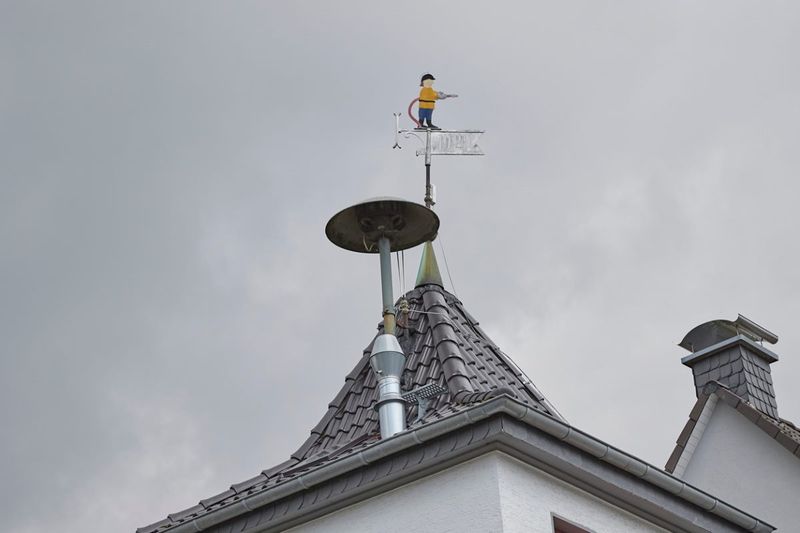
562,525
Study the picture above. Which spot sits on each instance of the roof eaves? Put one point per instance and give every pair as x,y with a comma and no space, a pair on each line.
182,516
161,525
211,501
248,484
270,472
441,428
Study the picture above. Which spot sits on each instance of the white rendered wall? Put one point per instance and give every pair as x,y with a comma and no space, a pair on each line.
492,493
740,464
529,495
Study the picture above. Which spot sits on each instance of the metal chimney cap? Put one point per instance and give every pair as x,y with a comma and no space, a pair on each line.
406,224
716,331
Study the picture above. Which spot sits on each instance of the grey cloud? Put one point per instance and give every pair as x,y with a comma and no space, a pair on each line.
173,319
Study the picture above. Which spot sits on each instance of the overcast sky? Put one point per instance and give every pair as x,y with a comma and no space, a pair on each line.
172,318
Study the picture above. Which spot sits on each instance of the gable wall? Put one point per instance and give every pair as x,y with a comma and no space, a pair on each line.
528,497
741,464
491,493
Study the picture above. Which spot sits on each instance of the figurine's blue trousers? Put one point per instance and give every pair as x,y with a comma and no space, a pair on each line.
425,114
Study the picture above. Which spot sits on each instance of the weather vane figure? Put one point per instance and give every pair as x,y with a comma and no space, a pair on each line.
427,101
435,141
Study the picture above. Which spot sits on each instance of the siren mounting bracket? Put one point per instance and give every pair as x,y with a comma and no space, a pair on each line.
422,396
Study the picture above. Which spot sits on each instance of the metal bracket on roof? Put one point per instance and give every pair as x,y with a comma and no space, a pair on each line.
422,396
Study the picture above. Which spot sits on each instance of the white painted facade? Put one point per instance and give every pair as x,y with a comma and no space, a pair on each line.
491,493
739,463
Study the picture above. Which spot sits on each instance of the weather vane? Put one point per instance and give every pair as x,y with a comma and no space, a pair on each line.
435,141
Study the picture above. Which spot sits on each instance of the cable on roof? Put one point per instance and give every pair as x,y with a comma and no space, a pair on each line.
448,317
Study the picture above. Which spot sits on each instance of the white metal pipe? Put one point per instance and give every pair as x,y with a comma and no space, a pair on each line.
391,408
388,361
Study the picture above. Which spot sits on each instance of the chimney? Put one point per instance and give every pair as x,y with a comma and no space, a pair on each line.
732,353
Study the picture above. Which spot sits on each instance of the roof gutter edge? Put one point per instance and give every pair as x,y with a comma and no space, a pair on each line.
381,449
500,405
639,468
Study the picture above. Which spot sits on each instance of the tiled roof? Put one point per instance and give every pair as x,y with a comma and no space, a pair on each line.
454,433
790,430
783,431
443,344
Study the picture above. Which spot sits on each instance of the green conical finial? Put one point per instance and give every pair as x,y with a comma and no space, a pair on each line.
428,268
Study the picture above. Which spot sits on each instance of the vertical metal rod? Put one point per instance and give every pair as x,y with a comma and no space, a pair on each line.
428,189
386,285
428,147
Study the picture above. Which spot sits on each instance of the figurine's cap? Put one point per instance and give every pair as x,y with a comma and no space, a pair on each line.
426,76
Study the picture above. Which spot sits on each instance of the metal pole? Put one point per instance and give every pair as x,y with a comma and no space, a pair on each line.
386,285
428,190
387,357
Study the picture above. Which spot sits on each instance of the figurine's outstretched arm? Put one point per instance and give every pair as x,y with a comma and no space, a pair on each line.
441,96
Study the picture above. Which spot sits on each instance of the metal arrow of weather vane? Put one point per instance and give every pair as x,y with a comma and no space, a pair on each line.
435,141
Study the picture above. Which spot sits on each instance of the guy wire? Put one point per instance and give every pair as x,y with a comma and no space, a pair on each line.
446,266
403,256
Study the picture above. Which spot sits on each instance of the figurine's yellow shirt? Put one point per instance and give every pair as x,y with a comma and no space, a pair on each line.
427,98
